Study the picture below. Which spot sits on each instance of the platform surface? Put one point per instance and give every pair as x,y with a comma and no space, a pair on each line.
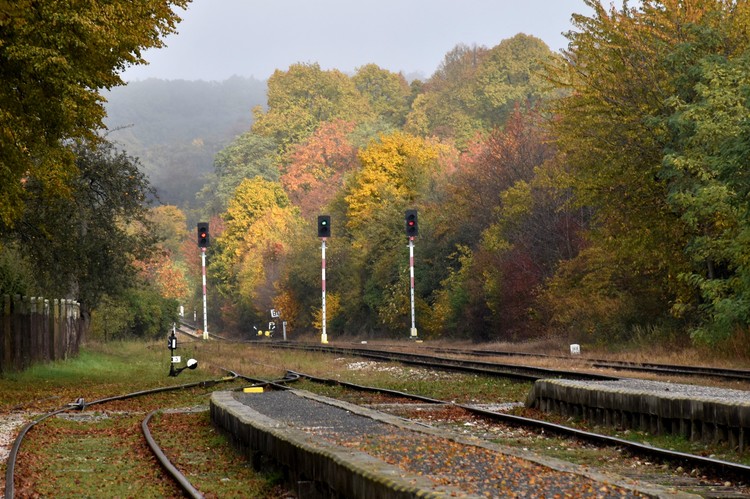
411,459
664,389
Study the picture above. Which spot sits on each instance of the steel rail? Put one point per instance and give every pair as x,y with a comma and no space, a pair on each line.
81,404
738,470
176,474
364,388
742,375
649,367
289,377
514,371
526,372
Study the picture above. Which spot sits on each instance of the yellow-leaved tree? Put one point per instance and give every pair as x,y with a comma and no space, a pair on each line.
249,255
398,171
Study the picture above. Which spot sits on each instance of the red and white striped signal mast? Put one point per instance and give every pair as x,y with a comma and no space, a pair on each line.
324,232
203,241
412,230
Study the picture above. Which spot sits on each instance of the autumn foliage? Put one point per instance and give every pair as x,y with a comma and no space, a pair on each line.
578,194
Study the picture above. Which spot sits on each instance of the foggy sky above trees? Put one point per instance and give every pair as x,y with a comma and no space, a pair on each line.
221,38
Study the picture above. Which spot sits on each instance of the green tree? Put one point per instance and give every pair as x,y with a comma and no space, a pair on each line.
710,189
388,93
442,109
54,60
85,247
170,224
302,98
475,89
16,272
631,74
510,74
248,156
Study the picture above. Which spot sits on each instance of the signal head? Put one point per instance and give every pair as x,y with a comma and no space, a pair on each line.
203,236
412,223
324,226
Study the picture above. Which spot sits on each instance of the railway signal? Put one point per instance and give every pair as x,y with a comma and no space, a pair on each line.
412,225
324,226
203,237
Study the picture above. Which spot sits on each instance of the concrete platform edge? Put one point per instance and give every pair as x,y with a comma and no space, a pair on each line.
349,473
709,420
245,415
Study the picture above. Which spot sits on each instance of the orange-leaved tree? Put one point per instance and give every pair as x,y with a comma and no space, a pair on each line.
315,168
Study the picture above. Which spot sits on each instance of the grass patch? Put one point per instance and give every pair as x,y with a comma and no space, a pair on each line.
74,459
459,388
100,370
206,458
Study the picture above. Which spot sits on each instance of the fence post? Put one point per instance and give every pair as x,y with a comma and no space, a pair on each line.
71,336
75,309
47,331
17,332
33,331
6,345
65,331
56,329
83,326
26,336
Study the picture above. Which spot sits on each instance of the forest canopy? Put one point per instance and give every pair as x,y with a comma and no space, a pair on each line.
596,194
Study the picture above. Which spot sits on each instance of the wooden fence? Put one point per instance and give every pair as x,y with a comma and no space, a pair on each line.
38,330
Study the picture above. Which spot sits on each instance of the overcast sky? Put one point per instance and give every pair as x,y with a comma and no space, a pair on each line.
221,38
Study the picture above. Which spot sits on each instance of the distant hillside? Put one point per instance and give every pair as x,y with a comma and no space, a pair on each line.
176,126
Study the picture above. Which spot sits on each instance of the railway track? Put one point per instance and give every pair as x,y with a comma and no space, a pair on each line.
583,365
504,370
81,404
716,467
465,360
460,413
707,476
740,375
460,360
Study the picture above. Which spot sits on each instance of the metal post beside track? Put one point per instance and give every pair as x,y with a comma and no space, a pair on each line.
413,334
323,336
205,309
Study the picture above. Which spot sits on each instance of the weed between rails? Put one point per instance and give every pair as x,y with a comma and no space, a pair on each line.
68,458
